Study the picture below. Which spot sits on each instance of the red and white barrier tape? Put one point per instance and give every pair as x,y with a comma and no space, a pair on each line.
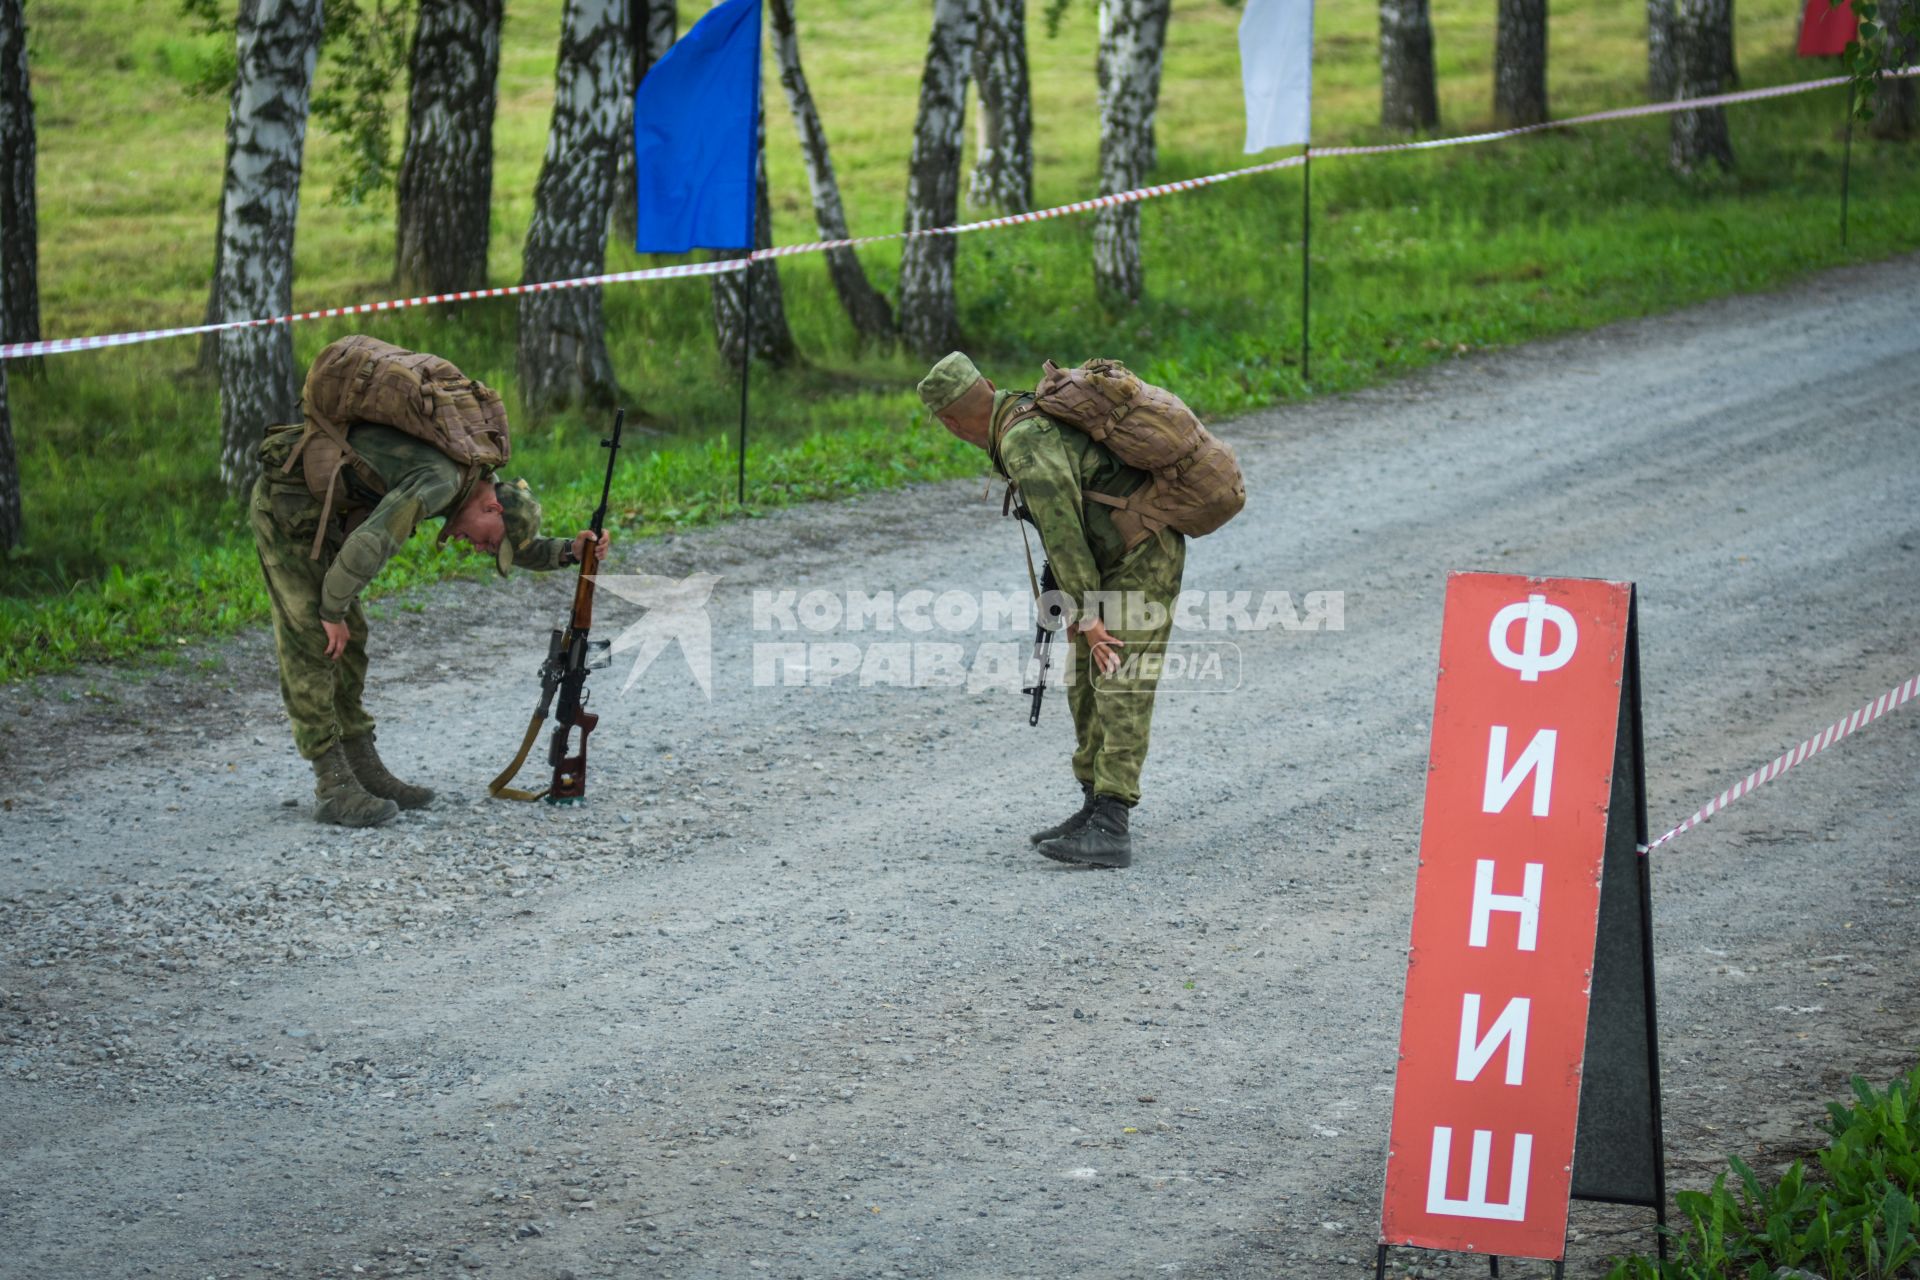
1880,706
55,346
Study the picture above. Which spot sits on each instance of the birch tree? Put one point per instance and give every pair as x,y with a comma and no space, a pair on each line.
866,308
19,221
277,43
1003,153
652,27
1701,34
11,522
562,357
445,191
1408,101
1132,44
1663,68
929,321
1894,116
1520,63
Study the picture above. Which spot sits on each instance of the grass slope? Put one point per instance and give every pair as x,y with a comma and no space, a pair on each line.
132,544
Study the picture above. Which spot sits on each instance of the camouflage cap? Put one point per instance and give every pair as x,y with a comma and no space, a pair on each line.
521,511
948,380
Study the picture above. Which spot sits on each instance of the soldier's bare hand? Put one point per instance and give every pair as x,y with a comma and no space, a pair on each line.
1102,644
580,545
337,637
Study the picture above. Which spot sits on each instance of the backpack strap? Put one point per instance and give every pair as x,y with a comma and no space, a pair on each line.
1135,521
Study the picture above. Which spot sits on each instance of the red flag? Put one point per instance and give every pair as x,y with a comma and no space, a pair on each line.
1826,28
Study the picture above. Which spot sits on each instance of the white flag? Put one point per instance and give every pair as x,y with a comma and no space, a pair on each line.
1276,71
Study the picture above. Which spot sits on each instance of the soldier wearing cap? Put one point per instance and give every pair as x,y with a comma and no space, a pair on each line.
319,630
1052,467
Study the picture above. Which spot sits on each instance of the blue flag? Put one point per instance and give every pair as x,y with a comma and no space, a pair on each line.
696,124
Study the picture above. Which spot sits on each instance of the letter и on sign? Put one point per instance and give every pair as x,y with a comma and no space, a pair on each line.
1493,1030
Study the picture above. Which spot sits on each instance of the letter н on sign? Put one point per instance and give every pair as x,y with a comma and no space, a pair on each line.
1493,1032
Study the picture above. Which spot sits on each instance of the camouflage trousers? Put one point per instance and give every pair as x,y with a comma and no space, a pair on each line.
322,695
1113,715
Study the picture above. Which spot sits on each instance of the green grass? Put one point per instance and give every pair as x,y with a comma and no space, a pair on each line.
1853,1215
132,543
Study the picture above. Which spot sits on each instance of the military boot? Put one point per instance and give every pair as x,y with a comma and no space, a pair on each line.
1100,841
343,801
1072,824
373,775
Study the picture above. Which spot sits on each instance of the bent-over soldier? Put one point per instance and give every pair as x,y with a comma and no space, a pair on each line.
319,552
1054,468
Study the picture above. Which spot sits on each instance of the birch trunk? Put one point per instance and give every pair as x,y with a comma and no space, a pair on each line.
445,191
929,320
772,340
1894,116
1132,42
1003,156
652,27
10,516
19,229
871,317
1520,63
562,356
1663,68
1699,138
1408,101
277,43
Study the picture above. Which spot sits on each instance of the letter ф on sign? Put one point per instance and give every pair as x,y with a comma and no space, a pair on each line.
1528,1020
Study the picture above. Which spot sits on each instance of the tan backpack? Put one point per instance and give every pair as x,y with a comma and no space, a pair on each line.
1196,485
362,379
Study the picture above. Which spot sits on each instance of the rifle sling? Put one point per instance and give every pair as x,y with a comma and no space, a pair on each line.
498,788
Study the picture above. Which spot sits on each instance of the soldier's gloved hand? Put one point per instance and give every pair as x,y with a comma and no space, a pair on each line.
337,637
580,545
1101,644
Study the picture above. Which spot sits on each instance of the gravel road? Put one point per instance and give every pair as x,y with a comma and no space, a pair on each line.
793,997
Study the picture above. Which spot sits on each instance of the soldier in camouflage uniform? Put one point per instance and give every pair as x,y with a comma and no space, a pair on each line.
1050,466
319,630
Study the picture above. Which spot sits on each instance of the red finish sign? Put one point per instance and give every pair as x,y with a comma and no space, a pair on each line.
1493,1031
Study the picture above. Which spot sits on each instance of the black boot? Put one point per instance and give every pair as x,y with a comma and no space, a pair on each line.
1073,823
1101,841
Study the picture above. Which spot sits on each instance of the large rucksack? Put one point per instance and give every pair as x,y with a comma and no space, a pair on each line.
362,379
1196,485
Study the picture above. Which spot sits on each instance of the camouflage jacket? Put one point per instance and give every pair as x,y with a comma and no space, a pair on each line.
1051,464
422,484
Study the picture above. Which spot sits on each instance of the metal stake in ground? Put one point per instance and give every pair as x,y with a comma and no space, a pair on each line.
746,363
1846,161
1306,263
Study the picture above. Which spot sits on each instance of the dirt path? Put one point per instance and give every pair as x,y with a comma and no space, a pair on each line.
793,997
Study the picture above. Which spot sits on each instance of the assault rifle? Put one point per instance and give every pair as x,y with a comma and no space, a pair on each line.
1042,642
570,655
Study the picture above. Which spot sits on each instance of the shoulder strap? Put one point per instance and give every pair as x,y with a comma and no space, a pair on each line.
997,430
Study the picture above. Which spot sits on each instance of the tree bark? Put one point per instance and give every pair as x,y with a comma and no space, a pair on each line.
1520,63
1894,116
1663,68
20,243
1132,42
11,522
1003,155
772,340
1699,138
865,306
278,41
563,346
1408,100
929,320
652,27
445,192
